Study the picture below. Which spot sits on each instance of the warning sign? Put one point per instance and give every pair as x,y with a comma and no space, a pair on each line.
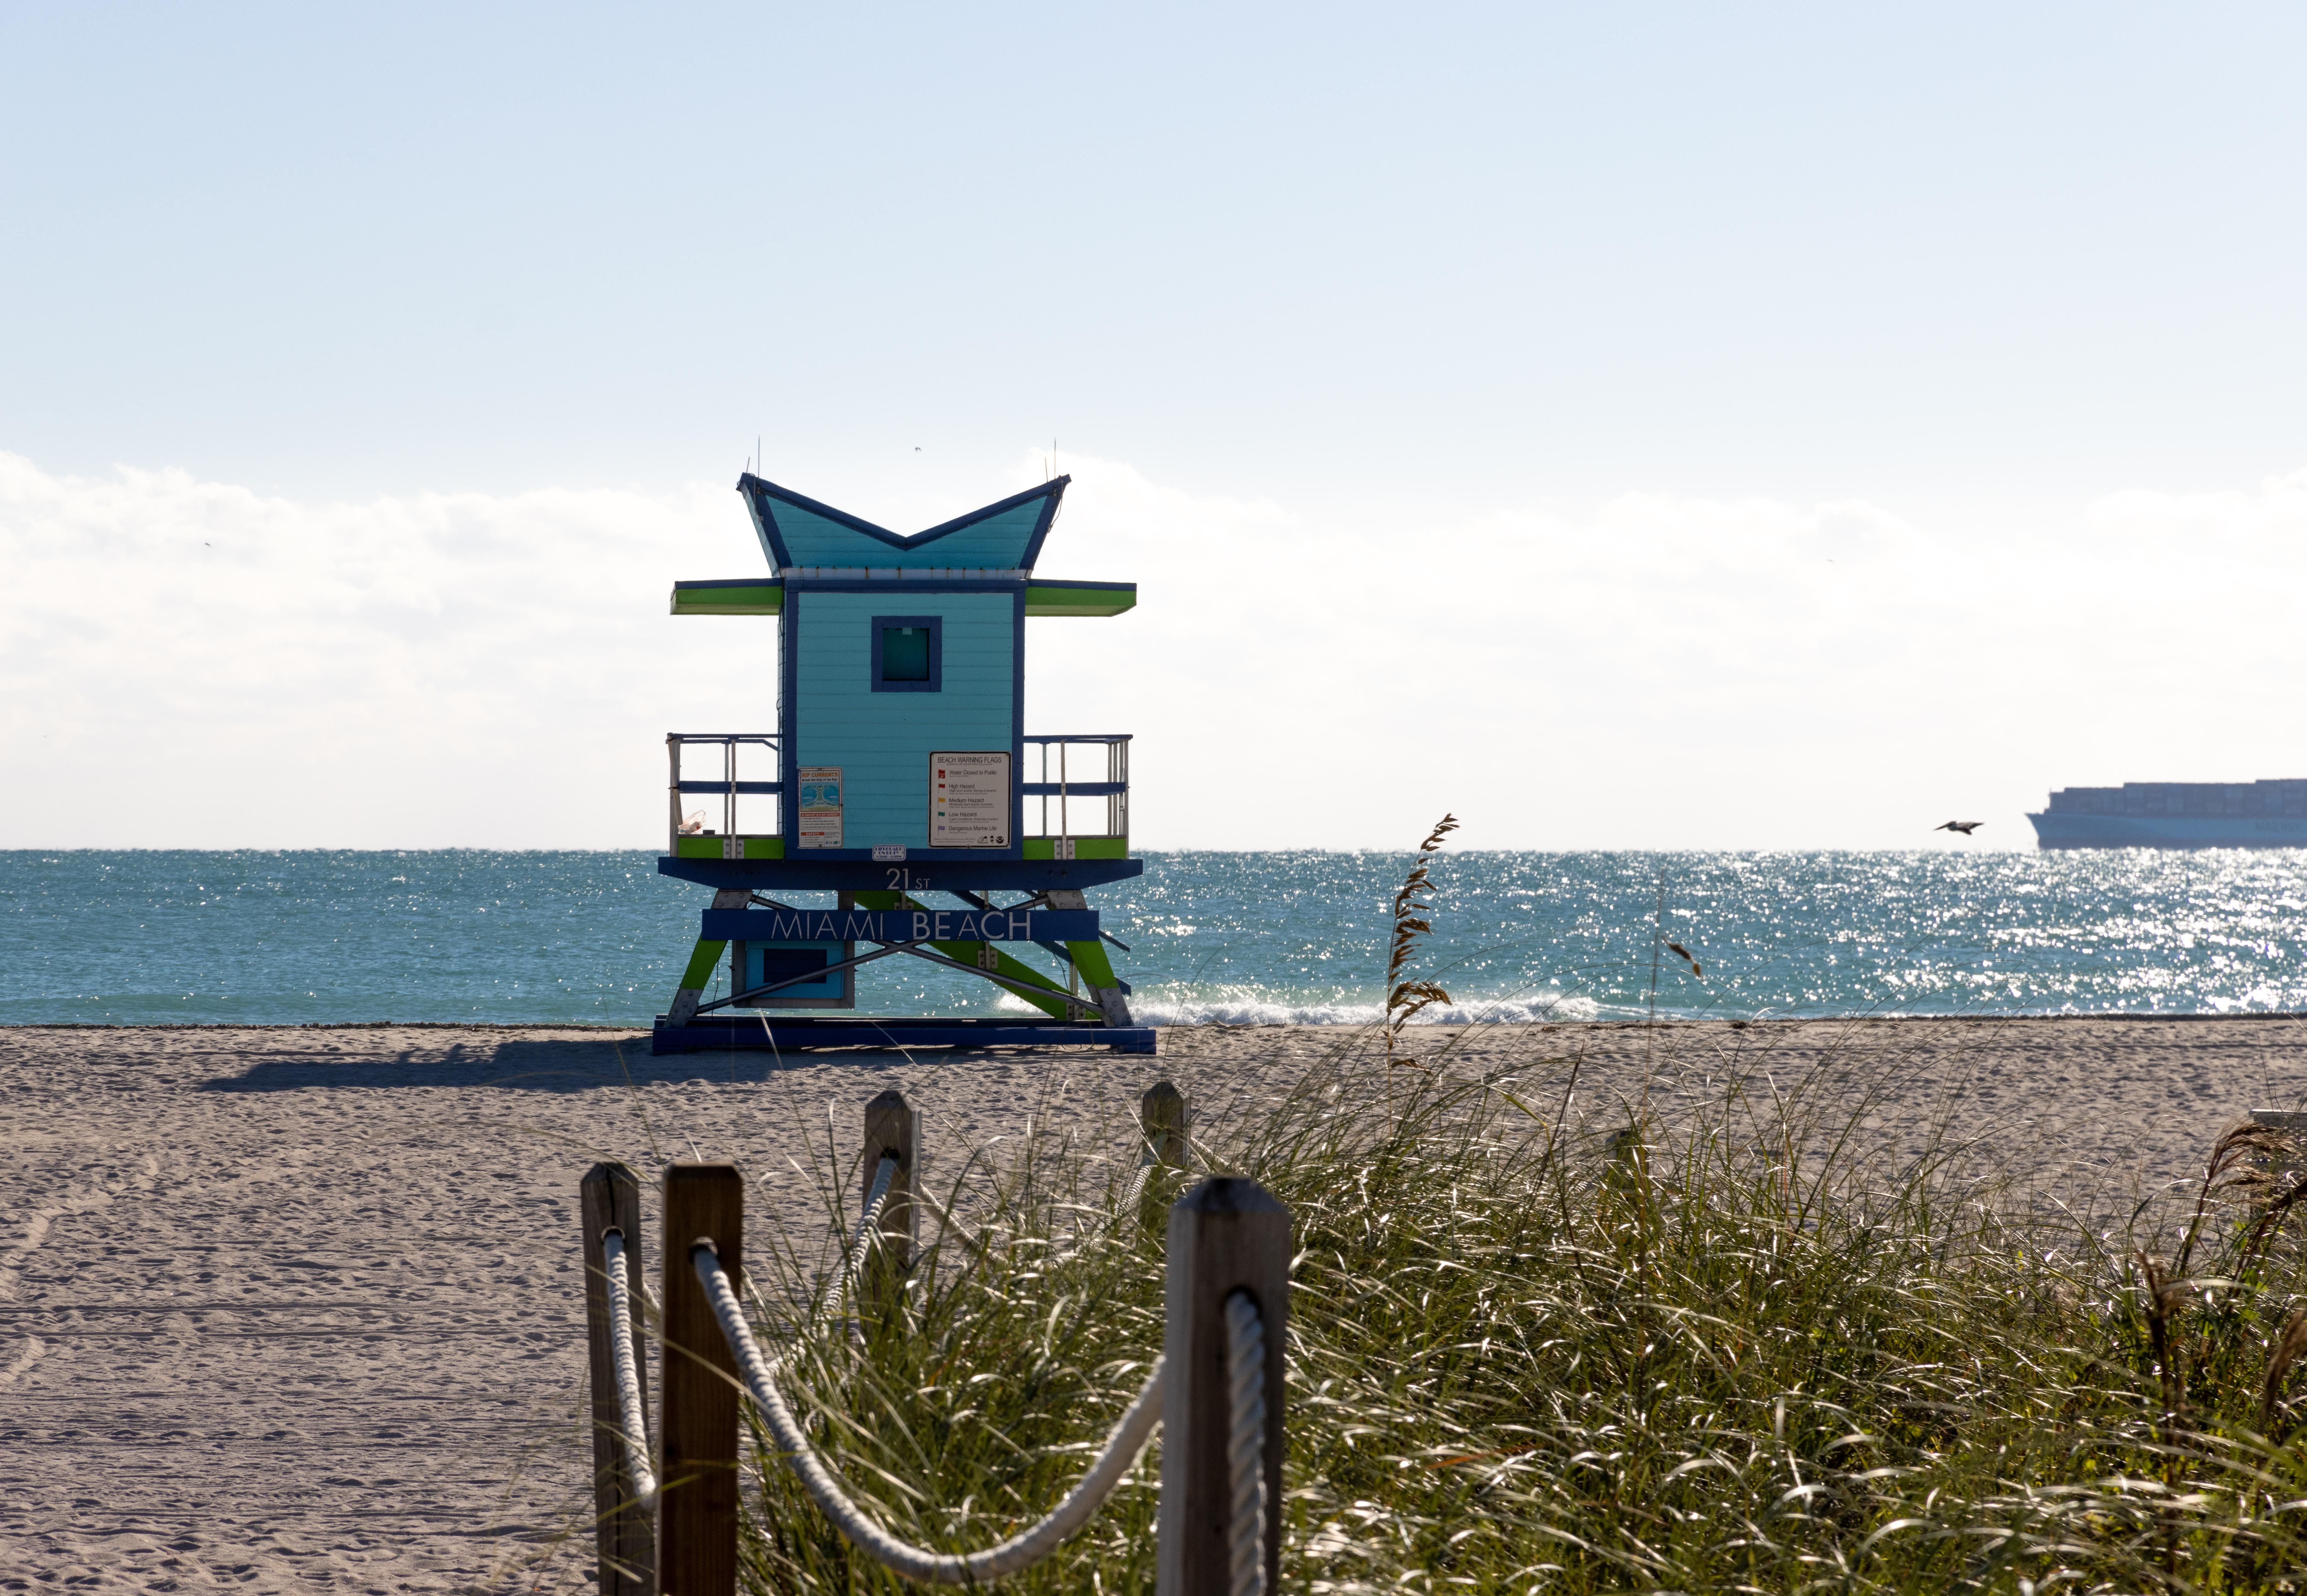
817,804
969,800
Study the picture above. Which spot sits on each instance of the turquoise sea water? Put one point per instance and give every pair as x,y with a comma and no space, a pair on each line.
151,937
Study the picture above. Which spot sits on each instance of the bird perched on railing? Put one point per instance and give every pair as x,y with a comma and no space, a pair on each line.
1964,826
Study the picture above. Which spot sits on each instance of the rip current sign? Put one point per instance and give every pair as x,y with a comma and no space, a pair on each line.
819,807
969,800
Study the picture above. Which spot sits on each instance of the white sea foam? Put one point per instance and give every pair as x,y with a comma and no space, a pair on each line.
1254,1011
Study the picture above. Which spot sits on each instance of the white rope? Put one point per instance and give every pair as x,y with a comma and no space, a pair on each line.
1245,1446
1128,1439
866,1221
1136,1187
635,1433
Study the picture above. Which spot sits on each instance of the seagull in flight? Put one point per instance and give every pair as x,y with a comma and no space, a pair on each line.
1964,826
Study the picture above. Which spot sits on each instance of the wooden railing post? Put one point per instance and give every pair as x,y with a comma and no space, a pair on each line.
1225,1235
697,1498
892,1127
1161,1128
1161,1114
609,1198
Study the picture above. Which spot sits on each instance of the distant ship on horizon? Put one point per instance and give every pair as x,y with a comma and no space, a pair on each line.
2175,814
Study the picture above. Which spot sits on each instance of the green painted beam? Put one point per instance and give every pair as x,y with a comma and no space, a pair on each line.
969,953
1085,847
710,847
1089,958
1080,598
764,597
768,597
700,973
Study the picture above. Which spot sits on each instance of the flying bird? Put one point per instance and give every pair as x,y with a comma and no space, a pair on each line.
1964,826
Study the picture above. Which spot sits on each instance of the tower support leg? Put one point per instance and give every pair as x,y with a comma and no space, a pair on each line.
1105,988
700,973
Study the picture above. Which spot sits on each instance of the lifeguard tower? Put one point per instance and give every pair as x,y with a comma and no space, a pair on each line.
900,780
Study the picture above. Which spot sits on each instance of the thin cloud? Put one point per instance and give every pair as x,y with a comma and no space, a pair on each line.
197,664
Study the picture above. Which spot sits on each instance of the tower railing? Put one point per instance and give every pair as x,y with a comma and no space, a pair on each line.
1084,781
726,786
1078,785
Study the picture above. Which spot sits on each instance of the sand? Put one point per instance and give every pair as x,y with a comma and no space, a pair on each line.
298,1308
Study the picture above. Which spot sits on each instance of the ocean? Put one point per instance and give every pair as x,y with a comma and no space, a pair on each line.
161,937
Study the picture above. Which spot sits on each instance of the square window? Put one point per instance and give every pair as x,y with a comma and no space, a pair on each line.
908,652
904,653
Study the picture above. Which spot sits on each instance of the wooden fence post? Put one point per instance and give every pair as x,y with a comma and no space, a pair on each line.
697,1495
1162,1145
609,1198
894,1128
1162,1113
1225,1235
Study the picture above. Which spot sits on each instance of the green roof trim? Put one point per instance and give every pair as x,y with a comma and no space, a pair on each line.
1080,598
746,596
766,595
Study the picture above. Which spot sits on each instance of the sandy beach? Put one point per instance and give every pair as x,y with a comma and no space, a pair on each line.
298,1308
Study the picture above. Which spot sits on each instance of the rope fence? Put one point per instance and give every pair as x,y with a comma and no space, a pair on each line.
633,1411
1122,1448
1246,1444
625,1495
871,1219
1214,1391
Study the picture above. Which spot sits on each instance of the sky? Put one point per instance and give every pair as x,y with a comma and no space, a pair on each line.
1631,427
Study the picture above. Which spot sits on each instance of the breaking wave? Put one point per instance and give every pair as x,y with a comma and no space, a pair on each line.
1251,1011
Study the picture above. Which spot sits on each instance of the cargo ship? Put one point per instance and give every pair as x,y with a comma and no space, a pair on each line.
2175,814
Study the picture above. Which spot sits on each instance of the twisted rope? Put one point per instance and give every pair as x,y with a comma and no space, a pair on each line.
1245,1446
635,1432
871,1216
1128,1439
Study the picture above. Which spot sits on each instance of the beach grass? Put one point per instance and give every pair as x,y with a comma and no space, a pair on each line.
1737,1350
1718,1341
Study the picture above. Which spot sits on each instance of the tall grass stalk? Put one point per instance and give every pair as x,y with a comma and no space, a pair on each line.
1405,996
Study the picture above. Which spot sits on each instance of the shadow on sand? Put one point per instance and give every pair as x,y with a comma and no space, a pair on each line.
516,1064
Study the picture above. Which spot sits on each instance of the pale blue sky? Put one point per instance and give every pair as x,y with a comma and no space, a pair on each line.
1398,276
1804,251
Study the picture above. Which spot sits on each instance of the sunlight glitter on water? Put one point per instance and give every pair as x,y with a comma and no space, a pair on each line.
1298,938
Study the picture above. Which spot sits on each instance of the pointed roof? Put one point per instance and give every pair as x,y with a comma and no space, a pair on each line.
797,531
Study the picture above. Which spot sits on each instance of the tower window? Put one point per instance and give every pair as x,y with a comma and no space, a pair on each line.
907,650
904,653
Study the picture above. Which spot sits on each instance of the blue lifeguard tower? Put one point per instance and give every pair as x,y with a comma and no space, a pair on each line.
901,780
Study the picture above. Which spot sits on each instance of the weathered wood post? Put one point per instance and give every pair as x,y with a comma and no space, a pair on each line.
2292,1126
697,1495
893,1129
1161,1114
1226,1236
1163,1144
609,1198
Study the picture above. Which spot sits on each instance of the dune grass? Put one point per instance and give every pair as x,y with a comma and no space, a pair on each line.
1733,1347
1680,1358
